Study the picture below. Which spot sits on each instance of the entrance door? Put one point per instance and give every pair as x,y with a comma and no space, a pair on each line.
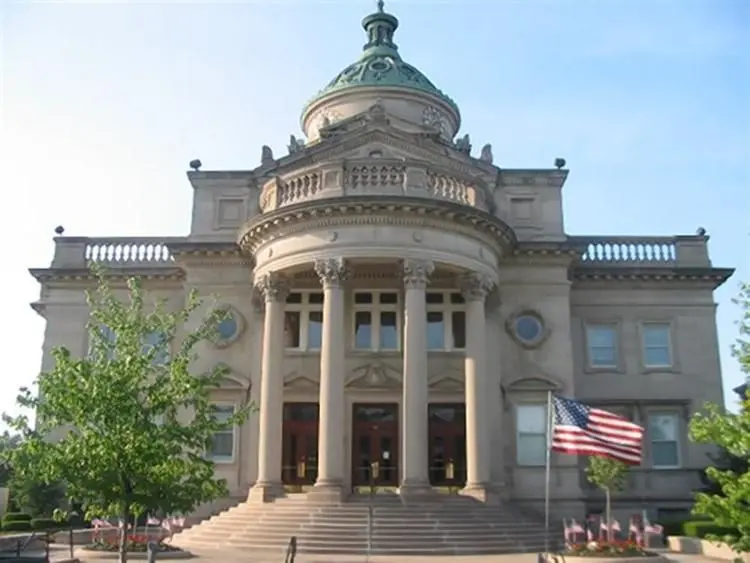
447,449
299,461
375,444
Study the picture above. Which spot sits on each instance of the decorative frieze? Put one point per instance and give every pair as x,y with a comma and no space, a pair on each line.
273,286
417,273
332,271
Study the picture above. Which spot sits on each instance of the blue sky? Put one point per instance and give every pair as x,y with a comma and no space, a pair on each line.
105,103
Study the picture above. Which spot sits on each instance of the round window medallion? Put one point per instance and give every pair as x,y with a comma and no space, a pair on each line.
229,328
528,328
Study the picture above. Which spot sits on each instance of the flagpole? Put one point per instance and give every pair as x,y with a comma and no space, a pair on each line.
547,465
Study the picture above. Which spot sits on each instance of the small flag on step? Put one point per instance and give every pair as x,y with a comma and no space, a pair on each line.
582,430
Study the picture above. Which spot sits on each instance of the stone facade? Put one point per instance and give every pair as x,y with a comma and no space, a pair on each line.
400,309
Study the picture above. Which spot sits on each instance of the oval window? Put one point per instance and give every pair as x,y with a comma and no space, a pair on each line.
528,328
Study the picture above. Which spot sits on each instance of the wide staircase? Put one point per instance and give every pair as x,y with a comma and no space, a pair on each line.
377,525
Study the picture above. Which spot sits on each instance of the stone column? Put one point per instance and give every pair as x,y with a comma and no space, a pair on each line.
475,288
268,484
329,485
415,466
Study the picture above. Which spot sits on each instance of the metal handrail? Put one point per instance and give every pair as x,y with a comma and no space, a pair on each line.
291,550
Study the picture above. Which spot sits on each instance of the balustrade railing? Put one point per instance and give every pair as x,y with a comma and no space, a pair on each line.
643,251
113,251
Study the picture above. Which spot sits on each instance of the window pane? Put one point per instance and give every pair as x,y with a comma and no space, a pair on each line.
362,298
291,329
434,298
664,454
656,335
457,298
222,445
388,331
435,331
458,322
222,413
390,298
362,330
662,427
601,336
531,419
294,298
314,330
315,298
531,449
657,357
603,356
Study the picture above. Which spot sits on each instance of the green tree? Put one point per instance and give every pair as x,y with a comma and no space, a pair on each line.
609,475
729,506
8,442
137,421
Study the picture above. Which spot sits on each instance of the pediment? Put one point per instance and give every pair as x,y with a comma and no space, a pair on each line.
448,380
232,380
298,381
374,376
533,383
356,142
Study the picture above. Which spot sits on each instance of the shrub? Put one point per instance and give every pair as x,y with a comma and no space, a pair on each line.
17,517
45,524
17,526
698,529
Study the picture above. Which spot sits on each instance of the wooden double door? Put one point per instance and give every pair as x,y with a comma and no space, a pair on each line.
375,444
447,444
299,454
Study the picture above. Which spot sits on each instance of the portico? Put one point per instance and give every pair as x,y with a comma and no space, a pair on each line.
406,462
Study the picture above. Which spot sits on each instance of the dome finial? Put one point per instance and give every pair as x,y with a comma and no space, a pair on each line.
380,27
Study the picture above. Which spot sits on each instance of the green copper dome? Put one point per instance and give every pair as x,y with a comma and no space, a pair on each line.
380,64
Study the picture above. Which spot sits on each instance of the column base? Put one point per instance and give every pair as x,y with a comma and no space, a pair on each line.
416,490
263,492
326,492
483,492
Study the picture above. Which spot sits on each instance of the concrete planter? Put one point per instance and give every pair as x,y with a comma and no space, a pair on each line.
552,558
715,550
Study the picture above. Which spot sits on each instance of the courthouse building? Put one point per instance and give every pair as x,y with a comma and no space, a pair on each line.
399,307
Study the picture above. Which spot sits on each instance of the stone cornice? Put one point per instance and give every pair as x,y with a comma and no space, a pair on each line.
544,177
681,276
360,210
46,275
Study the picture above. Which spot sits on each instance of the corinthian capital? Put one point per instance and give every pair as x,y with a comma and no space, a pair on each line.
417,273
331,271
273,286
475,286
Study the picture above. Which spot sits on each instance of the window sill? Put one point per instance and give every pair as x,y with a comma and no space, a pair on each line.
604,369
659,369
667,468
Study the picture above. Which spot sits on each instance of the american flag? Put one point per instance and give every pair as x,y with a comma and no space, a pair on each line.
582,430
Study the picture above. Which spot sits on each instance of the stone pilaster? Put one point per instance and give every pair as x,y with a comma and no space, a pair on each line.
475,288
415,465
268,486
329,485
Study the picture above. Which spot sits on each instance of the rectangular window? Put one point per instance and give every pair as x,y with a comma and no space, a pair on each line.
664,432
601,340
376,320
657,350
221,447
446,320
303,320
531,435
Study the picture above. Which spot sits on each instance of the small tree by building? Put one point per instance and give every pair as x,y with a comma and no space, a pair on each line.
138,421
729,506
609,475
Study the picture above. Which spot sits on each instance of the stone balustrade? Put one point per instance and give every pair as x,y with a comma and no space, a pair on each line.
371,178
113,252
636,251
